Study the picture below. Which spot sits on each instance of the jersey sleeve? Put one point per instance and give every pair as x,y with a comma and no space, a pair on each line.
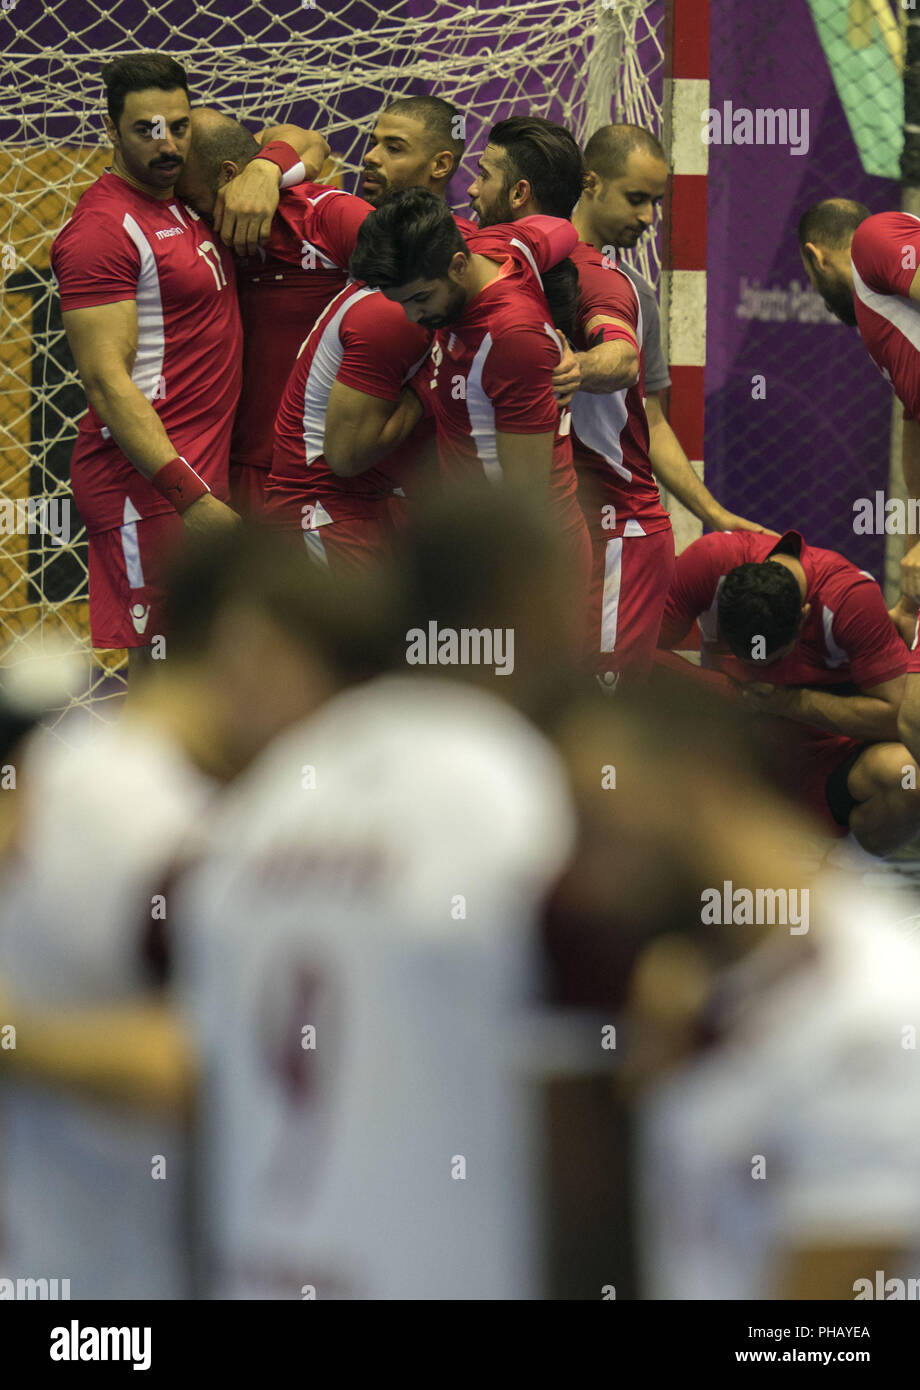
697,572
312,215
548,239
886,251
94,262
381,348
862,627
657,376
610,294
518,379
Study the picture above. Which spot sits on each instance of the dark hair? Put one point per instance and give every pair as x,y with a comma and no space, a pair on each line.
561,288
439,117
411,236
347,621
546,156
759,601
135,74
609,148
222,137
831,223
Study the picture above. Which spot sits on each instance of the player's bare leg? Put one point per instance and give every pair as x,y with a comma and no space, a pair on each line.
885,780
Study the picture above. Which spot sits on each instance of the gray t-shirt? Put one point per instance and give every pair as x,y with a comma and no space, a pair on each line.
656,368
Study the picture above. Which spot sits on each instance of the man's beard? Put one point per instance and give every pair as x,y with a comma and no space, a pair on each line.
454,310
501,211
839,299
379,192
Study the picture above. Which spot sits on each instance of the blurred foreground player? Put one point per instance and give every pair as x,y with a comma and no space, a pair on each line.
256,640
768,1053
807,638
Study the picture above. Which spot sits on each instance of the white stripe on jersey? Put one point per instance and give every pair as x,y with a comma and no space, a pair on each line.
130,547
482,414
526,251
836,656
600,420
613,578
902,313
327,359
315,548
147,371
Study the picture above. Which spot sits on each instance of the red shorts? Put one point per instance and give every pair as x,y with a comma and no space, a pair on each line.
349,547
126,590
630,579
247,490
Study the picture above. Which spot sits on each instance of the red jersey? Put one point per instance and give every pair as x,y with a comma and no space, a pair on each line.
121,244
848,637
283,289
364,341
610,440
884,257
493,368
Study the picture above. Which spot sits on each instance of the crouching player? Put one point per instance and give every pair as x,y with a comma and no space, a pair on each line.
806,639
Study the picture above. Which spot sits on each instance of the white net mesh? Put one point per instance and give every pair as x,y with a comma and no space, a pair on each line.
575,61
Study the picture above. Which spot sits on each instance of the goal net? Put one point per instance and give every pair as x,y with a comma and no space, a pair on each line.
580,62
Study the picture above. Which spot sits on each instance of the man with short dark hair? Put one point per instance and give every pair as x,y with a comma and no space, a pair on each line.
416,143
805,637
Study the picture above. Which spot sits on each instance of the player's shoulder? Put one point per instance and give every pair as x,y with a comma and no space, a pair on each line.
881,229
721,549
466,228
99,212
368,313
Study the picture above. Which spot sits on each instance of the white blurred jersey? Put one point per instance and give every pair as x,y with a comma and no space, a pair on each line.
105,816
817,1077
390,908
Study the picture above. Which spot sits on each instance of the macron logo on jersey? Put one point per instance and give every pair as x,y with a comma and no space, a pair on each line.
170,231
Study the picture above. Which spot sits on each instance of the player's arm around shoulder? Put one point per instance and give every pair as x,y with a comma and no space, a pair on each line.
361,429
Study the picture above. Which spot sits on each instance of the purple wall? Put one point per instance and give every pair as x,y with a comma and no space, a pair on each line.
820,438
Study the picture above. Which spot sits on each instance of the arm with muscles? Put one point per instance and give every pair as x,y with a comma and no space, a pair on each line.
103,340
673,469
362,429
873,714
611,364
246,205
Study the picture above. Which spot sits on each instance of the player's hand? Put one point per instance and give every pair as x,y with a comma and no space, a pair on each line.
762,697
246,205
723,520
910,574
207,515
567,376
904,617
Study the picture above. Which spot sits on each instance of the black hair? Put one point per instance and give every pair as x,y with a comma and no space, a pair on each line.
544,154
412,235
759,601
608,150
135,74
831,223
440,118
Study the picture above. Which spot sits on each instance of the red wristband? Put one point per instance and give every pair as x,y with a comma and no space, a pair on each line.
178,482
281,153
